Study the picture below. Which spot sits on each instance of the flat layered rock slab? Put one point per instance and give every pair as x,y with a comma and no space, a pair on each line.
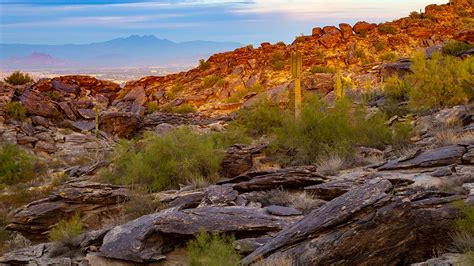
438,157
292,177
149,237
93,201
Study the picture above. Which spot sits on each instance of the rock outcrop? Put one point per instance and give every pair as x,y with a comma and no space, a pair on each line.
93,201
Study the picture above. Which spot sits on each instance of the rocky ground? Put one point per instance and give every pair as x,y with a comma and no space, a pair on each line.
396,211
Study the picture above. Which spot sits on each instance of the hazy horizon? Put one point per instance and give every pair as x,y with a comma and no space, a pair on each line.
80,22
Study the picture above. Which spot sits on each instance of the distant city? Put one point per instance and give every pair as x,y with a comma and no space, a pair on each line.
117,75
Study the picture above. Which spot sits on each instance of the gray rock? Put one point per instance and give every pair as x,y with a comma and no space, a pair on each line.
283,211
149,237
438,157
468,157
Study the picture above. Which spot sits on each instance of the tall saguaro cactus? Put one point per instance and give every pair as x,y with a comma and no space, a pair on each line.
296,69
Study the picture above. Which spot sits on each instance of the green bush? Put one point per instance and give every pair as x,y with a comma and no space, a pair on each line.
396,88
277,60
380,46
281,43
416,15
18,78
440,82
204,65
210,81
359,53
212,250
161,162
152,107
66,230
387,29
260,119
455,48
16,110
322,69
389,56
322,131
16,165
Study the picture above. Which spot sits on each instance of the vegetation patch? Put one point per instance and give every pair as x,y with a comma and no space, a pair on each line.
66,230
455,48
322,69
204,65
277,60
210,81
16,165
464,236
387,29
212,250
389,56
162,162
16,110
18,78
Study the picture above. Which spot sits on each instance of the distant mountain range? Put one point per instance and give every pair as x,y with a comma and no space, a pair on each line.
133,51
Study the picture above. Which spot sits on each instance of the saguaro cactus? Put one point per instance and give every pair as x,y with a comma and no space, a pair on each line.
296,69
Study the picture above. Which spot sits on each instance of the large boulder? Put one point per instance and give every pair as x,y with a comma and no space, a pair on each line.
149,237
366,226
346,30
121,124
465,36
239,159
363,26
37,104
330,39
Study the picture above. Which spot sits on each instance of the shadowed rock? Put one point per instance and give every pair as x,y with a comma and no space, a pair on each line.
368,226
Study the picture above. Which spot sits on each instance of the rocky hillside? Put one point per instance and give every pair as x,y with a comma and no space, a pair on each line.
344,184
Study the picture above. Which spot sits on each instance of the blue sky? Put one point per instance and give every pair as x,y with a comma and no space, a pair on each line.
245,21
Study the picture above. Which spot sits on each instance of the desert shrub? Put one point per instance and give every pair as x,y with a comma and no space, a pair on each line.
260,119
257,88
396,88
363,34
16,110
140,203
389,56
440,82
387,29
210,81
204,65
66,230
322,69
416,15
161,162
212,250
53,95
152,107
16,165
281,43
323,131
380,46
277,60
360,53
184,109
455,48
464,236
18,78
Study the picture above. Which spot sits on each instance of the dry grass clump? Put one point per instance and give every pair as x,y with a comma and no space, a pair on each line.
278,197
330,165
306,202
451,136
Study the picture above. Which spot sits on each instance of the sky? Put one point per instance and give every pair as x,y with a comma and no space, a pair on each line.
244,21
